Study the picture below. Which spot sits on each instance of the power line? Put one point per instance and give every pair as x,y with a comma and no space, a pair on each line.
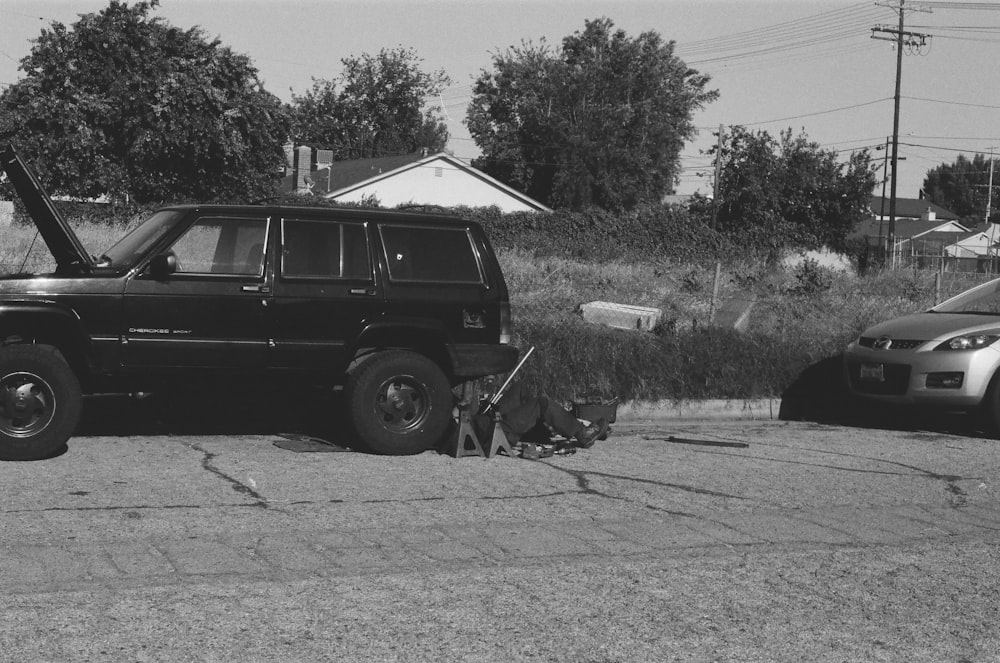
797,117
941,4
837,23
952,103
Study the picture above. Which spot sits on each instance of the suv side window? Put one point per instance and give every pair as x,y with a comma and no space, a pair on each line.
420,253
222,245
323,249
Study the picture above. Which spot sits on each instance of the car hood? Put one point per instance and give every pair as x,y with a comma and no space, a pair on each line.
69,253
929,326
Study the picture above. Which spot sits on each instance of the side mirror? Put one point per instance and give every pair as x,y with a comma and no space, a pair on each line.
163,265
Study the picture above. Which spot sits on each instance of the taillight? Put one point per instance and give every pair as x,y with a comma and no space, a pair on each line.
506,326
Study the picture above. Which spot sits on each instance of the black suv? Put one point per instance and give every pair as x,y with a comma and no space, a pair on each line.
396,307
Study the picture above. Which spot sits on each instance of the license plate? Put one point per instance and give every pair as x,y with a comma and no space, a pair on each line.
872,373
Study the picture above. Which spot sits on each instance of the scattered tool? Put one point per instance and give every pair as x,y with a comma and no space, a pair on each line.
706,443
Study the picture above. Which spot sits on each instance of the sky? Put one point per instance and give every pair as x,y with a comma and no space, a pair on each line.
805,65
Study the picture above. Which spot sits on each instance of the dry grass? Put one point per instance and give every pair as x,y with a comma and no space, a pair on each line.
23,250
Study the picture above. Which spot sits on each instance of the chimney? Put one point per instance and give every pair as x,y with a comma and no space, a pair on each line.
303,164
929,215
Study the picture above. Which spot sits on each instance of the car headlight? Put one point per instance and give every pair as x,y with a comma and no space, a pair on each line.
969,342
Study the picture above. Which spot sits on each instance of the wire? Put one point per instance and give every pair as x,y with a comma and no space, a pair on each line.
951,103
940,4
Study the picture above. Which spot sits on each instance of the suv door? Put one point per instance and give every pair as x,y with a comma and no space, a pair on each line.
436,275
325,292
212,311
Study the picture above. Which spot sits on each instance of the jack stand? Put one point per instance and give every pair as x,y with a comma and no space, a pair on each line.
499,439
466,432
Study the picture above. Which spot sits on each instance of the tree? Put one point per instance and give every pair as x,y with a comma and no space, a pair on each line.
961,187
382,108
790,193
124,104
600,123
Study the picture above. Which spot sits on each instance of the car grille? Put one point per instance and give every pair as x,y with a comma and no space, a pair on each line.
897,380
897,343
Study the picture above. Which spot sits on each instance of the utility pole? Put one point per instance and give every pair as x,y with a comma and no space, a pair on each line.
911,40
989,190
885,180
718,174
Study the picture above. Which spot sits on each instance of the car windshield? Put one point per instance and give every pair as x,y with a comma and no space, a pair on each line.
983,299
130,248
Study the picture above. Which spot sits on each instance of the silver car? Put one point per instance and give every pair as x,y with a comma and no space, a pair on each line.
948,356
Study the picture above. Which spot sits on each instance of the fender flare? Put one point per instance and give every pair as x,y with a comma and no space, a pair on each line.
423,336
48,322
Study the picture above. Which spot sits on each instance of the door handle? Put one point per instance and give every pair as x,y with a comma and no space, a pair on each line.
255,288
370,292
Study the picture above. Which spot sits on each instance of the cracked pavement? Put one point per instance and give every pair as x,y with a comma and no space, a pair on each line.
812,543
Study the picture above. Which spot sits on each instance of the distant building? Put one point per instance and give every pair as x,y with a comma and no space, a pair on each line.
411,179
928,235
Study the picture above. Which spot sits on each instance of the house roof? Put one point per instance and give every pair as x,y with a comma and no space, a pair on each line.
360,173
909,228
339,174
343,174
910,207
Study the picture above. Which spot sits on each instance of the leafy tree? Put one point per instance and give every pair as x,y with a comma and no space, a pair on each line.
124,104
790,193
961,187
601,122
381,108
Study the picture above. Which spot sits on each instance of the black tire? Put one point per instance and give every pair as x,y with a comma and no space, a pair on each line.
40,402
987,416
399,403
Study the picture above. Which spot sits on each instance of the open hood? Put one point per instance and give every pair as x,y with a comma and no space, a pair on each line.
65,246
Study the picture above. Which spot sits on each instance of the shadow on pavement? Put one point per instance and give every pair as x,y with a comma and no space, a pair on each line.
300,415
820,394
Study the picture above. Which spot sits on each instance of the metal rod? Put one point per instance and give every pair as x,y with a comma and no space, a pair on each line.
496,397
706,443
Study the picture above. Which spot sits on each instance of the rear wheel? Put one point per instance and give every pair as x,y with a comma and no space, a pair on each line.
40,402
400,403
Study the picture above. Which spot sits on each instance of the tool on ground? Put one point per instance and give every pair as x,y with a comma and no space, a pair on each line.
707,443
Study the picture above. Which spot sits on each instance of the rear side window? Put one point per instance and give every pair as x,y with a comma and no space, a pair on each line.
420,253
323,249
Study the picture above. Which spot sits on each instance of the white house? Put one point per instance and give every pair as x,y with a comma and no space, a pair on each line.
975,245
438,179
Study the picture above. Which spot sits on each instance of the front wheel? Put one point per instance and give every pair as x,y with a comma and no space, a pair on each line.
988,414
400,403
40,402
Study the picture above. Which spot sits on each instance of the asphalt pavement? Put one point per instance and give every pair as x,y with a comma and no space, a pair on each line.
789,541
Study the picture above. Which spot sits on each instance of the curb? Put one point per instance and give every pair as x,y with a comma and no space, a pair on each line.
767,408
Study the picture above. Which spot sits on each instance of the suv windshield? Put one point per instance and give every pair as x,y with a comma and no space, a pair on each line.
984,299
130,248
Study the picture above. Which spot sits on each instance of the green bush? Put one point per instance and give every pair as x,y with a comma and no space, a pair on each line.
653,232
572,360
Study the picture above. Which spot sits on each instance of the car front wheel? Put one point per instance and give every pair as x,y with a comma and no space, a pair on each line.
40,402
400,403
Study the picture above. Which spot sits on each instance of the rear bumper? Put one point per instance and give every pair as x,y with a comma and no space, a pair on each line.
475,360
